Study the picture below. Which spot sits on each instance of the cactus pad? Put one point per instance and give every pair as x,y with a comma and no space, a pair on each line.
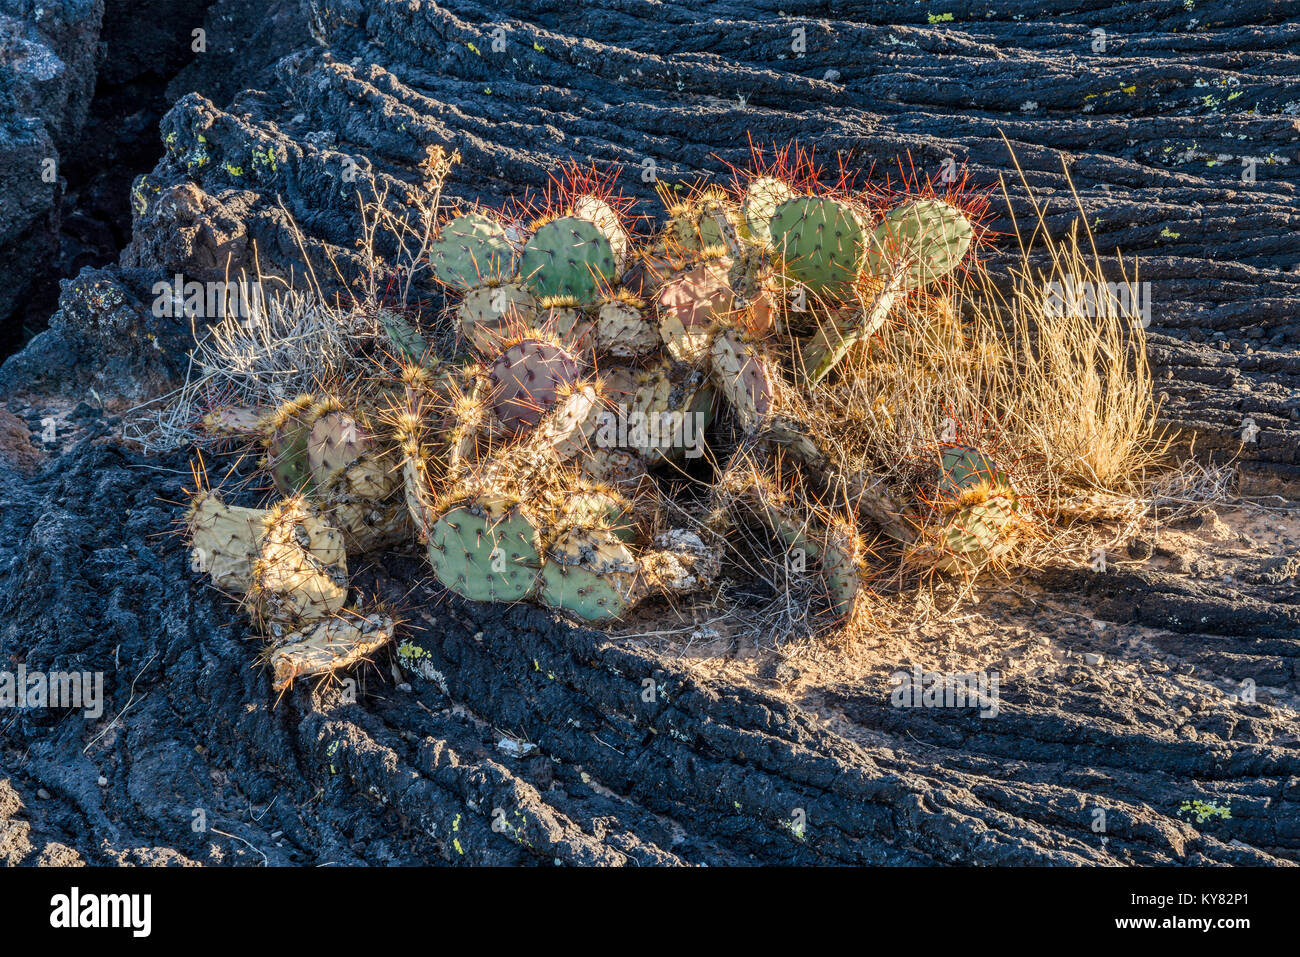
286,445
690,308
301,572
225,540
328,645
927,238
589,572
821,241
664,410
623,331
744,377
527,379
762,198
600,214
568,257
706,220
485,548
472,249
489,314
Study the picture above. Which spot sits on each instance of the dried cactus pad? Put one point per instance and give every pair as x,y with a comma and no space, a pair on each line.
599,508
527,378
327,646
472,249
488,313
301,574
822,242
927,237
485,549
589,572
568,258
225,540
595,210
623,331
744,376
762,197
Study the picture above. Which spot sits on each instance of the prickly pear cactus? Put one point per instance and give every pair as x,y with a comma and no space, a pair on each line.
485,547
541,454
472,249
691,306
589,572
301,571
570,258
527,379
822,241
744,377
492,313
763,197
979,513
624,331
925,239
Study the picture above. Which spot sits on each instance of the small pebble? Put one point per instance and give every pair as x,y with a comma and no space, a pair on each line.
43,794
1099,626
102,782
1093,659
404,686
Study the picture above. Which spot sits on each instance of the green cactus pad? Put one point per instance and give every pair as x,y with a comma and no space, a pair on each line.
485,549
962,468
982,512
928,237
527,379
821,241
406,341
589,572
568,257
762,198
973,536
472,249
286,448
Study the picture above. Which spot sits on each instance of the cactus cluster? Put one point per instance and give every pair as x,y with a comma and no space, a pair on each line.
549,455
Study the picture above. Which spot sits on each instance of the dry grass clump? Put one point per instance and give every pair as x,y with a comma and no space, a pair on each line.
1055,389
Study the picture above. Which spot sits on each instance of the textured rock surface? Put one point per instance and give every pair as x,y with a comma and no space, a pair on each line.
1153,131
